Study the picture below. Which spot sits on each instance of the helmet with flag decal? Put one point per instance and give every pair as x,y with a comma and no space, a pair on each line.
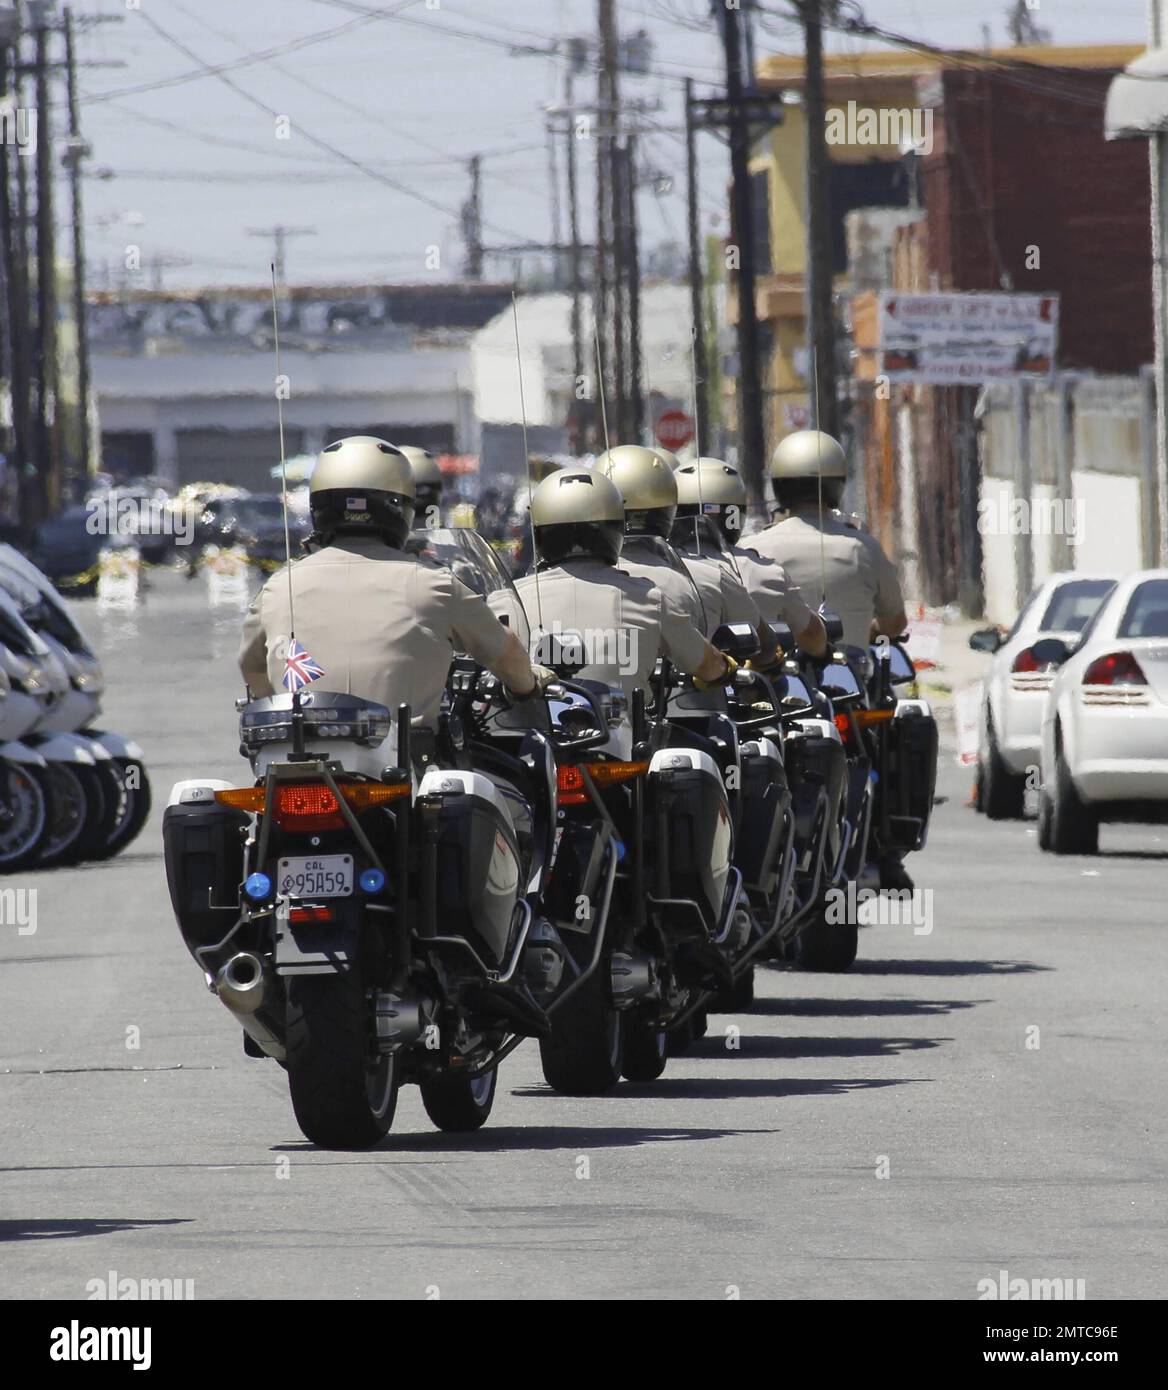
362,486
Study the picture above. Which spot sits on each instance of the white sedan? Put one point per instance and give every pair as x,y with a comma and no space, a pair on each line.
1105,722
1015,686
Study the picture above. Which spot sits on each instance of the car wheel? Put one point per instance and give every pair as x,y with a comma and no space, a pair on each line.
1072,826
1002,792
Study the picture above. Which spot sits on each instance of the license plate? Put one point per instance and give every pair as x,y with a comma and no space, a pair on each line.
326,876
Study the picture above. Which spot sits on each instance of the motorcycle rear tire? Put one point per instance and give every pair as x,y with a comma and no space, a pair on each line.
344,1092
583,1055
458,1105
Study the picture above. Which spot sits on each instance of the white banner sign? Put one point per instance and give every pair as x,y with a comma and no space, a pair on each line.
967,339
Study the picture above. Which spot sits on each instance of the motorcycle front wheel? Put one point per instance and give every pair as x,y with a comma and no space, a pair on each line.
458,1105
23,816
129,789
344,1090
69,812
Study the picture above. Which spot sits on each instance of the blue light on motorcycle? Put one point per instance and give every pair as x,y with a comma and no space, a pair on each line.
258,887
620,850
372,881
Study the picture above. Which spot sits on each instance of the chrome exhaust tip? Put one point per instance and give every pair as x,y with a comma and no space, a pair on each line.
240,983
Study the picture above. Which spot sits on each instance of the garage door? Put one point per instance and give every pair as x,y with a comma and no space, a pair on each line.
244,458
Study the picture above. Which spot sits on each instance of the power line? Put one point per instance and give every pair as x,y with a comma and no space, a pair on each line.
316,140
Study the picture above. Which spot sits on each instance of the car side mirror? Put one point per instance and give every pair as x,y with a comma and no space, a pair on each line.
1050,651
738,639
986,639
835,627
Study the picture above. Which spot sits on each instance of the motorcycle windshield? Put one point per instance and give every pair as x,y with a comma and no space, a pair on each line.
471,560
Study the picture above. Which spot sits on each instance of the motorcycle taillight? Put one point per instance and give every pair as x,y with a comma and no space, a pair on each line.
307,806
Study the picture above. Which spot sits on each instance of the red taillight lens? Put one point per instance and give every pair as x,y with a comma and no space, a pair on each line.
307,806
311,916
1024,662
1116,668
570,778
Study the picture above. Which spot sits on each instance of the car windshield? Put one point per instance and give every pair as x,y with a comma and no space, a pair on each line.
1147,611
1074,604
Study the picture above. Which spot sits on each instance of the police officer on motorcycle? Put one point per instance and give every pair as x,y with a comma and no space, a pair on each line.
380,621
582,584
712,508
820,550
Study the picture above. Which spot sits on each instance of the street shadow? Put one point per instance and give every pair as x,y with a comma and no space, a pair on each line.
510,1139
68,1228
855,1008
725,1088
714,1045
1152,854
942,968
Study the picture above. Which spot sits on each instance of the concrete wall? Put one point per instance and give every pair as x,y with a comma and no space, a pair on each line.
1068,482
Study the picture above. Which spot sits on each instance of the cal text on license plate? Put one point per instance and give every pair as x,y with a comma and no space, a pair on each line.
320,876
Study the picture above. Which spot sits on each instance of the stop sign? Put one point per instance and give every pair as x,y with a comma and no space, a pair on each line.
674,429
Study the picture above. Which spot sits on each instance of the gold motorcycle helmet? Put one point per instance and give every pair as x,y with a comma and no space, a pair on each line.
362,485
645,482
715,489
800,462
577,512
427,476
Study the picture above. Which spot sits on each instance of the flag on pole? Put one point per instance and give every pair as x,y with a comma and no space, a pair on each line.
299,668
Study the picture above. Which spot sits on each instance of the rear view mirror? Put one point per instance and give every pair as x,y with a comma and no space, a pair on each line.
835,627
738,639
563,651
1050,651
986,639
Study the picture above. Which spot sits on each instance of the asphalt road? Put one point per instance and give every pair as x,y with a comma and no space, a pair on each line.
754,1164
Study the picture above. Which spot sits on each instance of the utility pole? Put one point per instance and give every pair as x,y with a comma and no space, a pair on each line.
618,406
696,272
44,482
820,319
472,221
77,150
279,236
752,435
578,418
633,268
13,249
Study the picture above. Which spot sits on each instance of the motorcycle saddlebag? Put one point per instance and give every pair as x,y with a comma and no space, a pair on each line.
478,861
765,801
203,847
690,836
912,774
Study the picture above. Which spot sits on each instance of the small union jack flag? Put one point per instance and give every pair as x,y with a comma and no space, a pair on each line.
300,669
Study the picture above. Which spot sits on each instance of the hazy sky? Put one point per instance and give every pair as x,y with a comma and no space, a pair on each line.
195,164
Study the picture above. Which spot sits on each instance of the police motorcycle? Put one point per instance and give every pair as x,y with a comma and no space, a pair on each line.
791,778
119,793
23,800
363,908
63,764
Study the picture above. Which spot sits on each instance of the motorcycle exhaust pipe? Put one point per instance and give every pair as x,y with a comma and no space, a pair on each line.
242,986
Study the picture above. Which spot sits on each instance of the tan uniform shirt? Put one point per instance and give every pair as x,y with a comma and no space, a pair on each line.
660,564
381,622
626,621
770,586
724,597
861,581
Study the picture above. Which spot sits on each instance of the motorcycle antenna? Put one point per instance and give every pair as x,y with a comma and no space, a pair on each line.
819,479
600,382
283,458
693,382
527,459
